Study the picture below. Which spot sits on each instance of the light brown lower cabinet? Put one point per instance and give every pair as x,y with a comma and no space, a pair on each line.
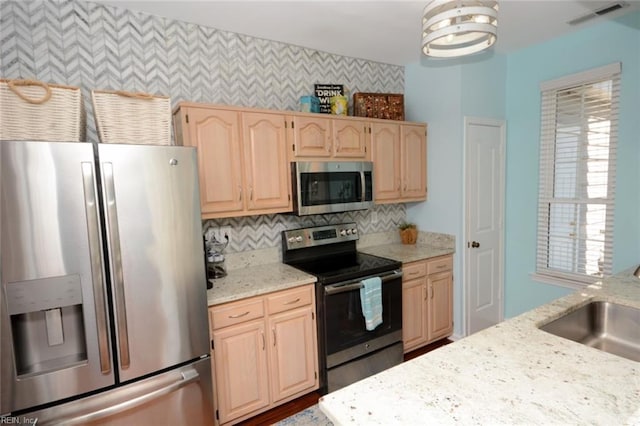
427,301
264,352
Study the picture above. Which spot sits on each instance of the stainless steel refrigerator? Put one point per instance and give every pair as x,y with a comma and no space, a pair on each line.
103,307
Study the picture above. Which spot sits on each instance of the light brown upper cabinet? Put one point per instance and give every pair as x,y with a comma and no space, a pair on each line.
242,159
266,170
244,154
311,137
413,154
323,138
399,155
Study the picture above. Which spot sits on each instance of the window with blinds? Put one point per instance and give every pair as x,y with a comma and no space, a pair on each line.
577,176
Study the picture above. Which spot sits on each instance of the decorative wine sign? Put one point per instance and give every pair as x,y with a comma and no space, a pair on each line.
324,92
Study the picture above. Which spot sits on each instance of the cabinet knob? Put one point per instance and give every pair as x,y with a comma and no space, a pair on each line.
475,244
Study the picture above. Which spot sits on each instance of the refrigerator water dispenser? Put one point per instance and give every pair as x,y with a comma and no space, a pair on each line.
46,324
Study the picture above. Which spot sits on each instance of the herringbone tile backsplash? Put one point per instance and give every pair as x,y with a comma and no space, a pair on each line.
94,46
258,232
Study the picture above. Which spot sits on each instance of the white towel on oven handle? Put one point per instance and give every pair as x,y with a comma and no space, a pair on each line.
371,301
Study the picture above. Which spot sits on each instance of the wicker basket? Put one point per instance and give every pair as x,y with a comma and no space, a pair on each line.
137,118
34,110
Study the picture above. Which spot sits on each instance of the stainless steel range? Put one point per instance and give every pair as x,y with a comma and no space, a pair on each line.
348,352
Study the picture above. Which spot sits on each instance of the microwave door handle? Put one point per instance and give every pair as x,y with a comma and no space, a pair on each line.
362,187
95,254
115,257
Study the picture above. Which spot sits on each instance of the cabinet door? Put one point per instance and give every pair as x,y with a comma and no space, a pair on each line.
414,313
267,174
241,372
440,287
293,354
349,138
385,154
311,137
414,162
215,133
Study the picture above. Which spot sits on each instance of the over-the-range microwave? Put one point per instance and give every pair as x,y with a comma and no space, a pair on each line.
331,186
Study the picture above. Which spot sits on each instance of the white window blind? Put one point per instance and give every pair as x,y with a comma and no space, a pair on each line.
577,176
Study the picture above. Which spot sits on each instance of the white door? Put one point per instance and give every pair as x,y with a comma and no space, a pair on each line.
484,195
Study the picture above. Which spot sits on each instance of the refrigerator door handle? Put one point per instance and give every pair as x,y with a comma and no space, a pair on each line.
116,264
95,255
187,377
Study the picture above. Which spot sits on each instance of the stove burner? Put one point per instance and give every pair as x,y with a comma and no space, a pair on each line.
332,269
329,252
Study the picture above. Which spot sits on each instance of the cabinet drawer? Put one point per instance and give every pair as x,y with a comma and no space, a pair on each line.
290,299
414,270
235,313
440,265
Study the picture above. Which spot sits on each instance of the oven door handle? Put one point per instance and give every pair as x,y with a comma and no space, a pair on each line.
355,285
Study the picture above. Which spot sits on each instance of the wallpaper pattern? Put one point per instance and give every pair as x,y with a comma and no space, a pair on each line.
94,46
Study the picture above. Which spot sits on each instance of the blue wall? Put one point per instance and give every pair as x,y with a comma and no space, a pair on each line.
434,97
441,93
602,44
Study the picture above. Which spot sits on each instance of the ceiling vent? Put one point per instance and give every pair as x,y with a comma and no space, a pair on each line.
599,12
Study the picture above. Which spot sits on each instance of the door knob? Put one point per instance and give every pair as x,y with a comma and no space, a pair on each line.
475,244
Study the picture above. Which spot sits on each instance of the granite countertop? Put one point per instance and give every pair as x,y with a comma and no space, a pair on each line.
406,253
256,280
511,373
248,281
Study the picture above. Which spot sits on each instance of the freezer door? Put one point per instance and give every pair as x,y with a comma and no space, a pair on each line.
182,396
156,257
54,332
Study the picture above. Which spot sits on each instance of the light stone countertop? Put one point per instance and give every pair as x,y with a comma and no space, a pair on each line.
260,271
511,373
256,280
406,253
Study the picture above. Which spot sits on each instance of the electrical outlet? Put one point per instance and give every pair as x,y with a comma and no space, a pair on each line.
374,217
209,234
224,230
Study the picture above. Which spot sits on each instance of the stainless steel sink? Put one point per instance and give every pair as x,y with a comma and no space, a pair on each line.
606,326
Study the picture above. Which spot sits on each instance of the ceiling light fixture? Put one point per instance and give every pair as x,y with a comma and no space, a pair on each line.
452,28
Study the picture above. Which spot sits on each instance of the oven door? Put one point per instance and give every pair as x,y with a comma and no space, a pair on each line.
331,187
346,335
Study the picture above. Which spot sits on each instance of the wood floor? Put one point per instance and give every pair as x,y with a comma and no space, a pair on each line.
306,401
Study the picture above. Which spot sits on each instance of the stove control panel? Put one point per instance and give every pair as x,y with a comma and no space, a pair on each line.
319,235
